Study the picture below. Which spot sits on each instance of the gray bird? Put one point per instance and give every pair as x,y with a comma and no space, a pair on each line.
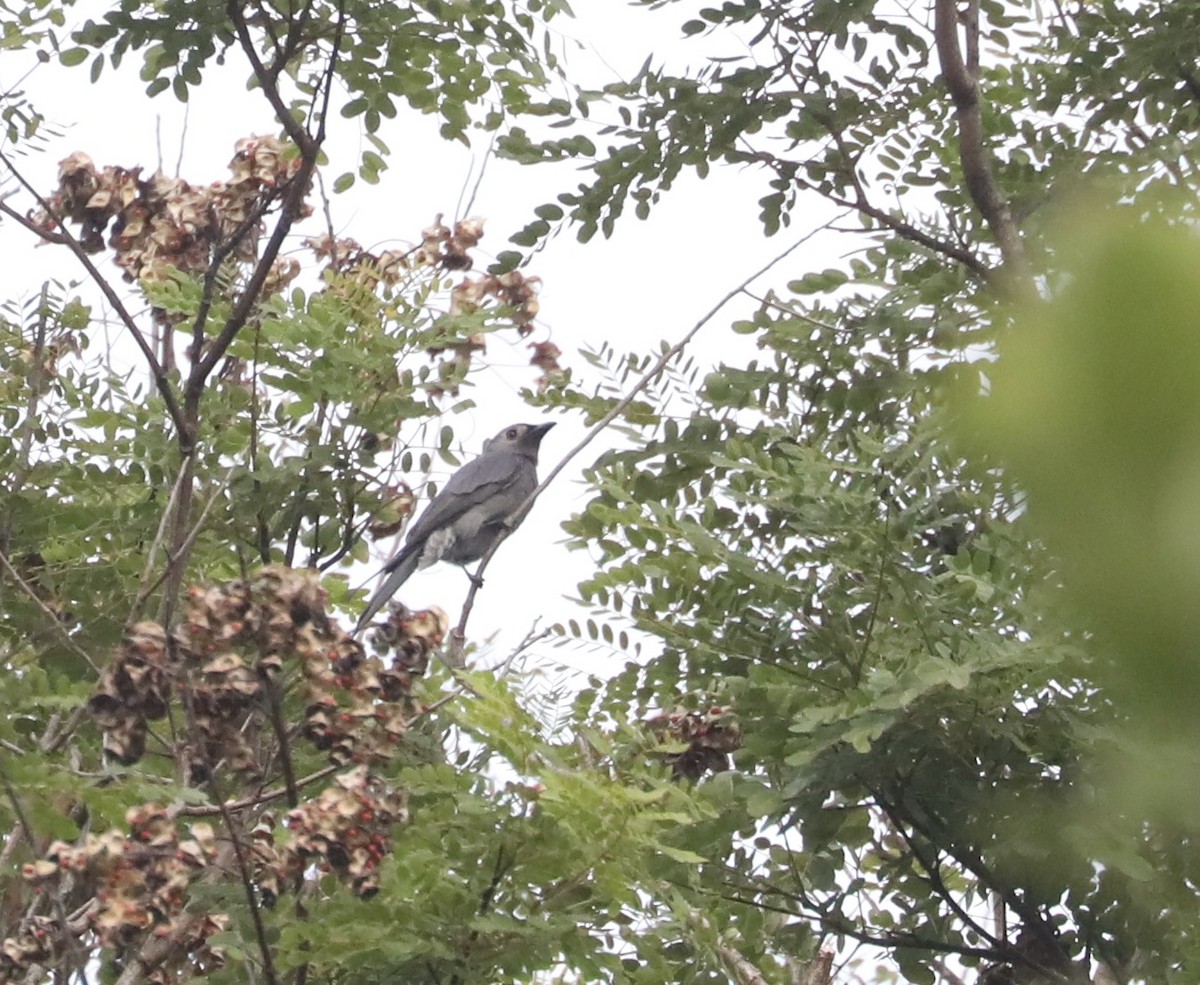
476,507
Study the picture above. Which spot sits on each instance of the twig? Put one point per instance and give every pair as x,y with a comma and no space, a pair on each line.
144,584
46,610
530,638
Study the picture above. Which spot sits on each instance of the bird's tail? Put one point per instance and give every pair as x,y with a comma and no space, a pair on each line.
398,572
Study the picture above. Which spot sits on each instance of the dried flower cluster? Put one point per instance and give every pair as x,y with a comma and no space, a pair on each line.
162,223
141,884
709,736
346,830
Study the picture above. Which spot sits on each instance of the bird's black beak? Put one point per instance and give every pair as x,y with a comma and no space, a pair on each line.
538,431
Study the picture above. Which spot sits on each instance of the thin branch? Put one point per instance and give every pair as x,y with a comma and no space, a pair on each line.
221,253
653,373
260,930
1031,919
330,69
878,599
268,78
161,380
934,876
35,378
19,811
176,560
897,939
145,586
187,109
46,610
279,727
884,218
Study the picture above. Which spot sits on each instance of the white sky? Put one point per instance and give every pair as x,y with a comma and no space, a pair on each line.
651,282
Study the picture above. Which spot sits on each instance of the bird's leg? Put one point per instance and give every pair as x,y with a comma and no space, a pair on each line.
474,579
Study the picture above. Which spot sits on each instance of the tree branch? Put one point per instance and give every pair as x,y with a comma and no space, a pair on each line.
897,225
961,78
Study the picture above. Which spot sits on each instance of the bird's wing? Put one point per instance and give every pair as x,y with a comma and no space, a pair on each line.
471,485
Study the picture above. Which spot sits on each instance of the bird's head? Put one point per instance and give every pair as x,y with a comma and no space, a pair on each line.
520,439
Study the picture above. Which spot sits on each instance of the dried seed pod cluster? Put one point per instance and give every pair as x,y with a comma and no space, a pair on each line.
159,223
512,289
238,639
411,637
233,641
362,267
545,357
236,642
399,502
142,883
709,735
37,943
449,248
358,707
134,689
346,830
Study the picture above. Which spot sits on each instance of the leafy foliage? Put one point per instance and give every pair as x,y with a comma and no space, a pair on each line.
881,678
821,548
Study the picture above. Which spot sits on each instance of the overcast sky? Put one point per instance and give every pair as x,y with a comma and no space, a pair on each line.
652,281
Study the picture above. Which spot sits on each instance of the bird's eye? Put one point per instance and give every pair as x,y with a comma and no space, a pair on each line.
511,434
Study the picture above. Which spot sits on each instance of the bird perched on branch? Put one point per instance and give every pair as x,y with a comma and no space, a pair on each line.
480,504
